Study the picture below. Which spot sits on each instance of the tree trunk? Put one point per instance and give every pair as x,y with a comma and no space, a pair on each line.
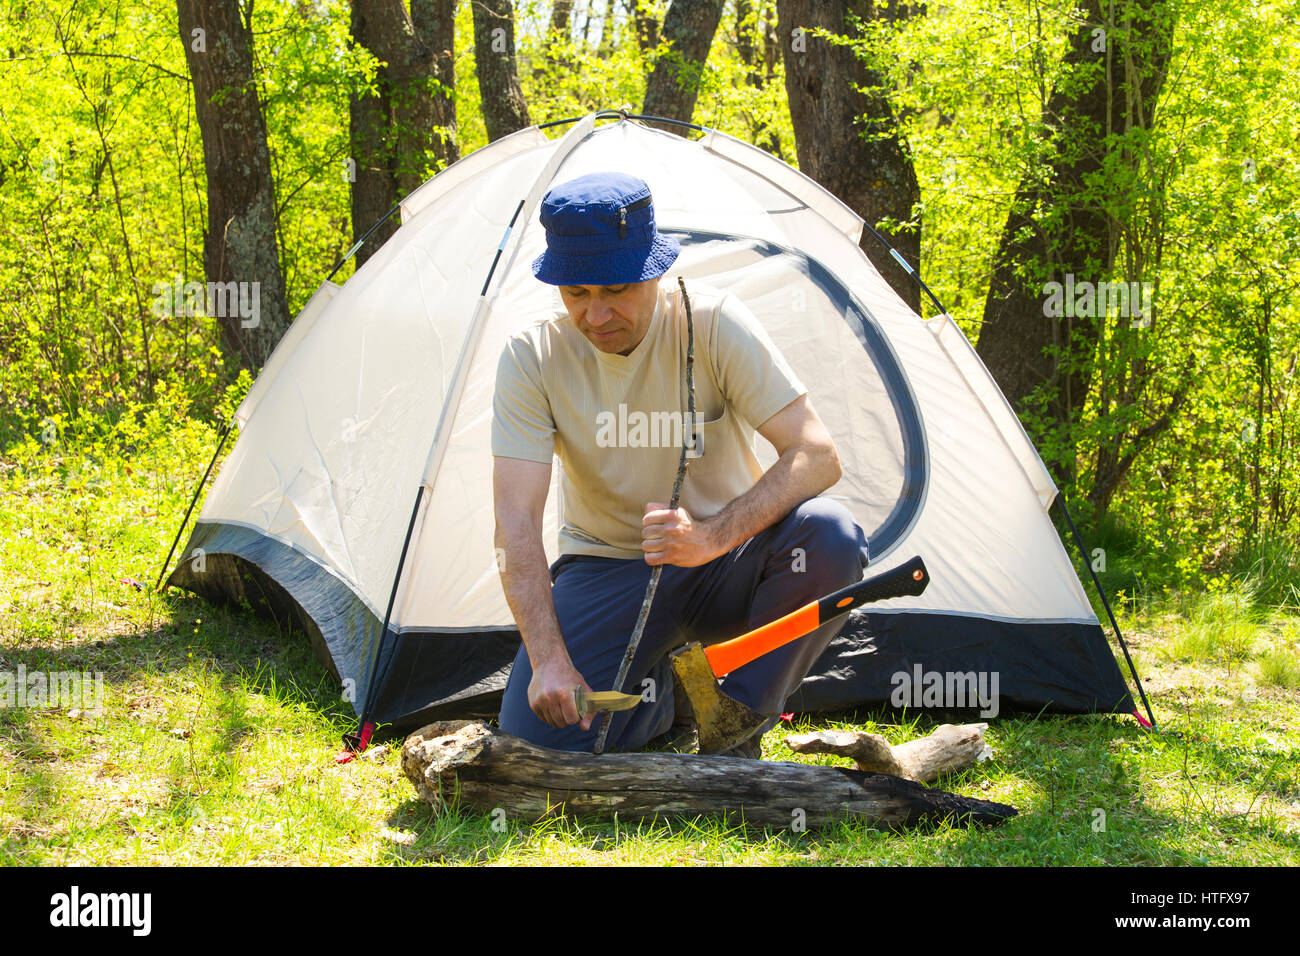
469,762
753,26
605,42
561,17
674,85
504,109
849,140
408,123
647,25
240,248
1058,229
746,28
558,32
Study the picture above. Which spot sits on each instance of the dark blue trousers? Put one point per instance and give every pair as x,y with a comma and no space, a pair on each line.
814,550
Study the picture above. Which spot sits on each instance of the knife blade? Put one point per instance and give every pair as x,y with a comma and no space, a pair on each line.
597,700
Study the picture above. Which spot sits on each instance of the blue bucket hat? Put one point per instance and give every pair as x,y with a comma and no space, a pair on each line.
600,230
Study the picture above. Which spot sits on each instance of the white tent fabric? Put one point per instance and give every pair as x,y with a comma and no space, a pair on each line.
379,398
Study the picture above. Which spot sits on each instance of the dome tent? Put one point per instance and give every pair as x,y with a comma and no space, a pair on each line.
358,495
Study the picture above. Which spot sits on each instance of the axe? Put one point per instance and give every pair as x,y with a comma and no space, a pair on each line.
723,722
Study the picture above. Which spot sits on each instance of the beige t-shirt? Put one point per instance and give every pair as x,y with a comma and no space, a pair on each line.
616,421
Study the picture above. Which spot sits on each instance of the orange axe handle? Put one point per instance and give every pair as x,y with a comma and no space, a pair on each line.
909,579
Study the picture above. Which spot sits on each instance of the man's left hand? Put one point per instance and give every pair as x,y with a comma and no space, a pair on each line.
674,537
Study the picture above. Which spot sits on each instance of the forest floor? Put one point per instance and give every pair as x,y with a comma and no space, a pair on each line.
216,740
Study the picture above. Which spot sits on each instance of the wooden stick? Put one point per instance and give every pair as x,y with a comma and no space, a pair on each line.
473,764
949,748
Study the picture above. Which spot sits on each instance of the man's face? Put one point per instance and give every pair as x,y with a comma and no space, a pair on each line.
614,318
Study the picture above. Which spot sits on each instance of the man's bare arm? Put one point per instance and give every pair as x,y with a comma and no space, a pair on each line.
519,491
807,466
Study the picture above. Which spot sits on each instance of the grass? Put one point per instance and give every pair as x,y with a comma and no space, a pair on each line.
1221,626
1280,665
218,732
1272,566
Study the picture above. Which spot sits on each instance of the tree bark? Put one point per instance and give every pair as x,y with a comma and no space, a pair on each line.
1059,230
469,762
674,84
408,123
847,139
240,243
504,109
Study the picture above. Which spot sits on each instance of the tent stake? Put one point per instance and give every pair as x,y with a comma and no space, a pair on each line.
225,432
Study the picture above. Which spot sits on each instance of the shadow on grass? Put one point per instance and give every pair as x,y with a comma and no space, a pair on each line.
460,835
242,649
235,654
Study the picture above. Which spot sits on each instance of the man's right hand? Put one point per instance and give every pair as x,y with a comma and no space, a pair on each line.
550,695
519,490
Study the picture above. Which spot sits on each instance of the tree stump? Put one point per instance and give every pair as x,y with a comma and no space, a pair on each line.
468,763
948,748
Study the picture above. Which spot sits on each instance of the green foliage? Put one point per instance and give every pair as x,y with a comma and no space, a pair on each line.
102,197
1224,476
1203,208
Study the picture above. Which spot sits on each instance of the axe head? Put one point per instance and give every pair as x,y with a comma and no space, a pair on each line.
723,723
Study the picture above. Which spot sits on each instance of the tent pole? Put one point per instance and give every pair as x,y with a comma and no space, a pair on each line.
361,737
357,245
907,266
225,432
1083,554
623,114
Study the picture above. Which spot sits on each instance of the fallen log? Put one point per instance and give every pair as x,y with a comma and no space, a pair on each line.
468,763
947,749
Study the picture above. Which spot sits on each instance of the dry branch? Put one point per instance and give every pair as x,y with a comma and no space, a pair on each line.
949,748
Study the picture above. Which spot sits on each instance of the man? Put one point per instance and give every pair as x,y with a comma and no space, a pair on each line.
603,388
